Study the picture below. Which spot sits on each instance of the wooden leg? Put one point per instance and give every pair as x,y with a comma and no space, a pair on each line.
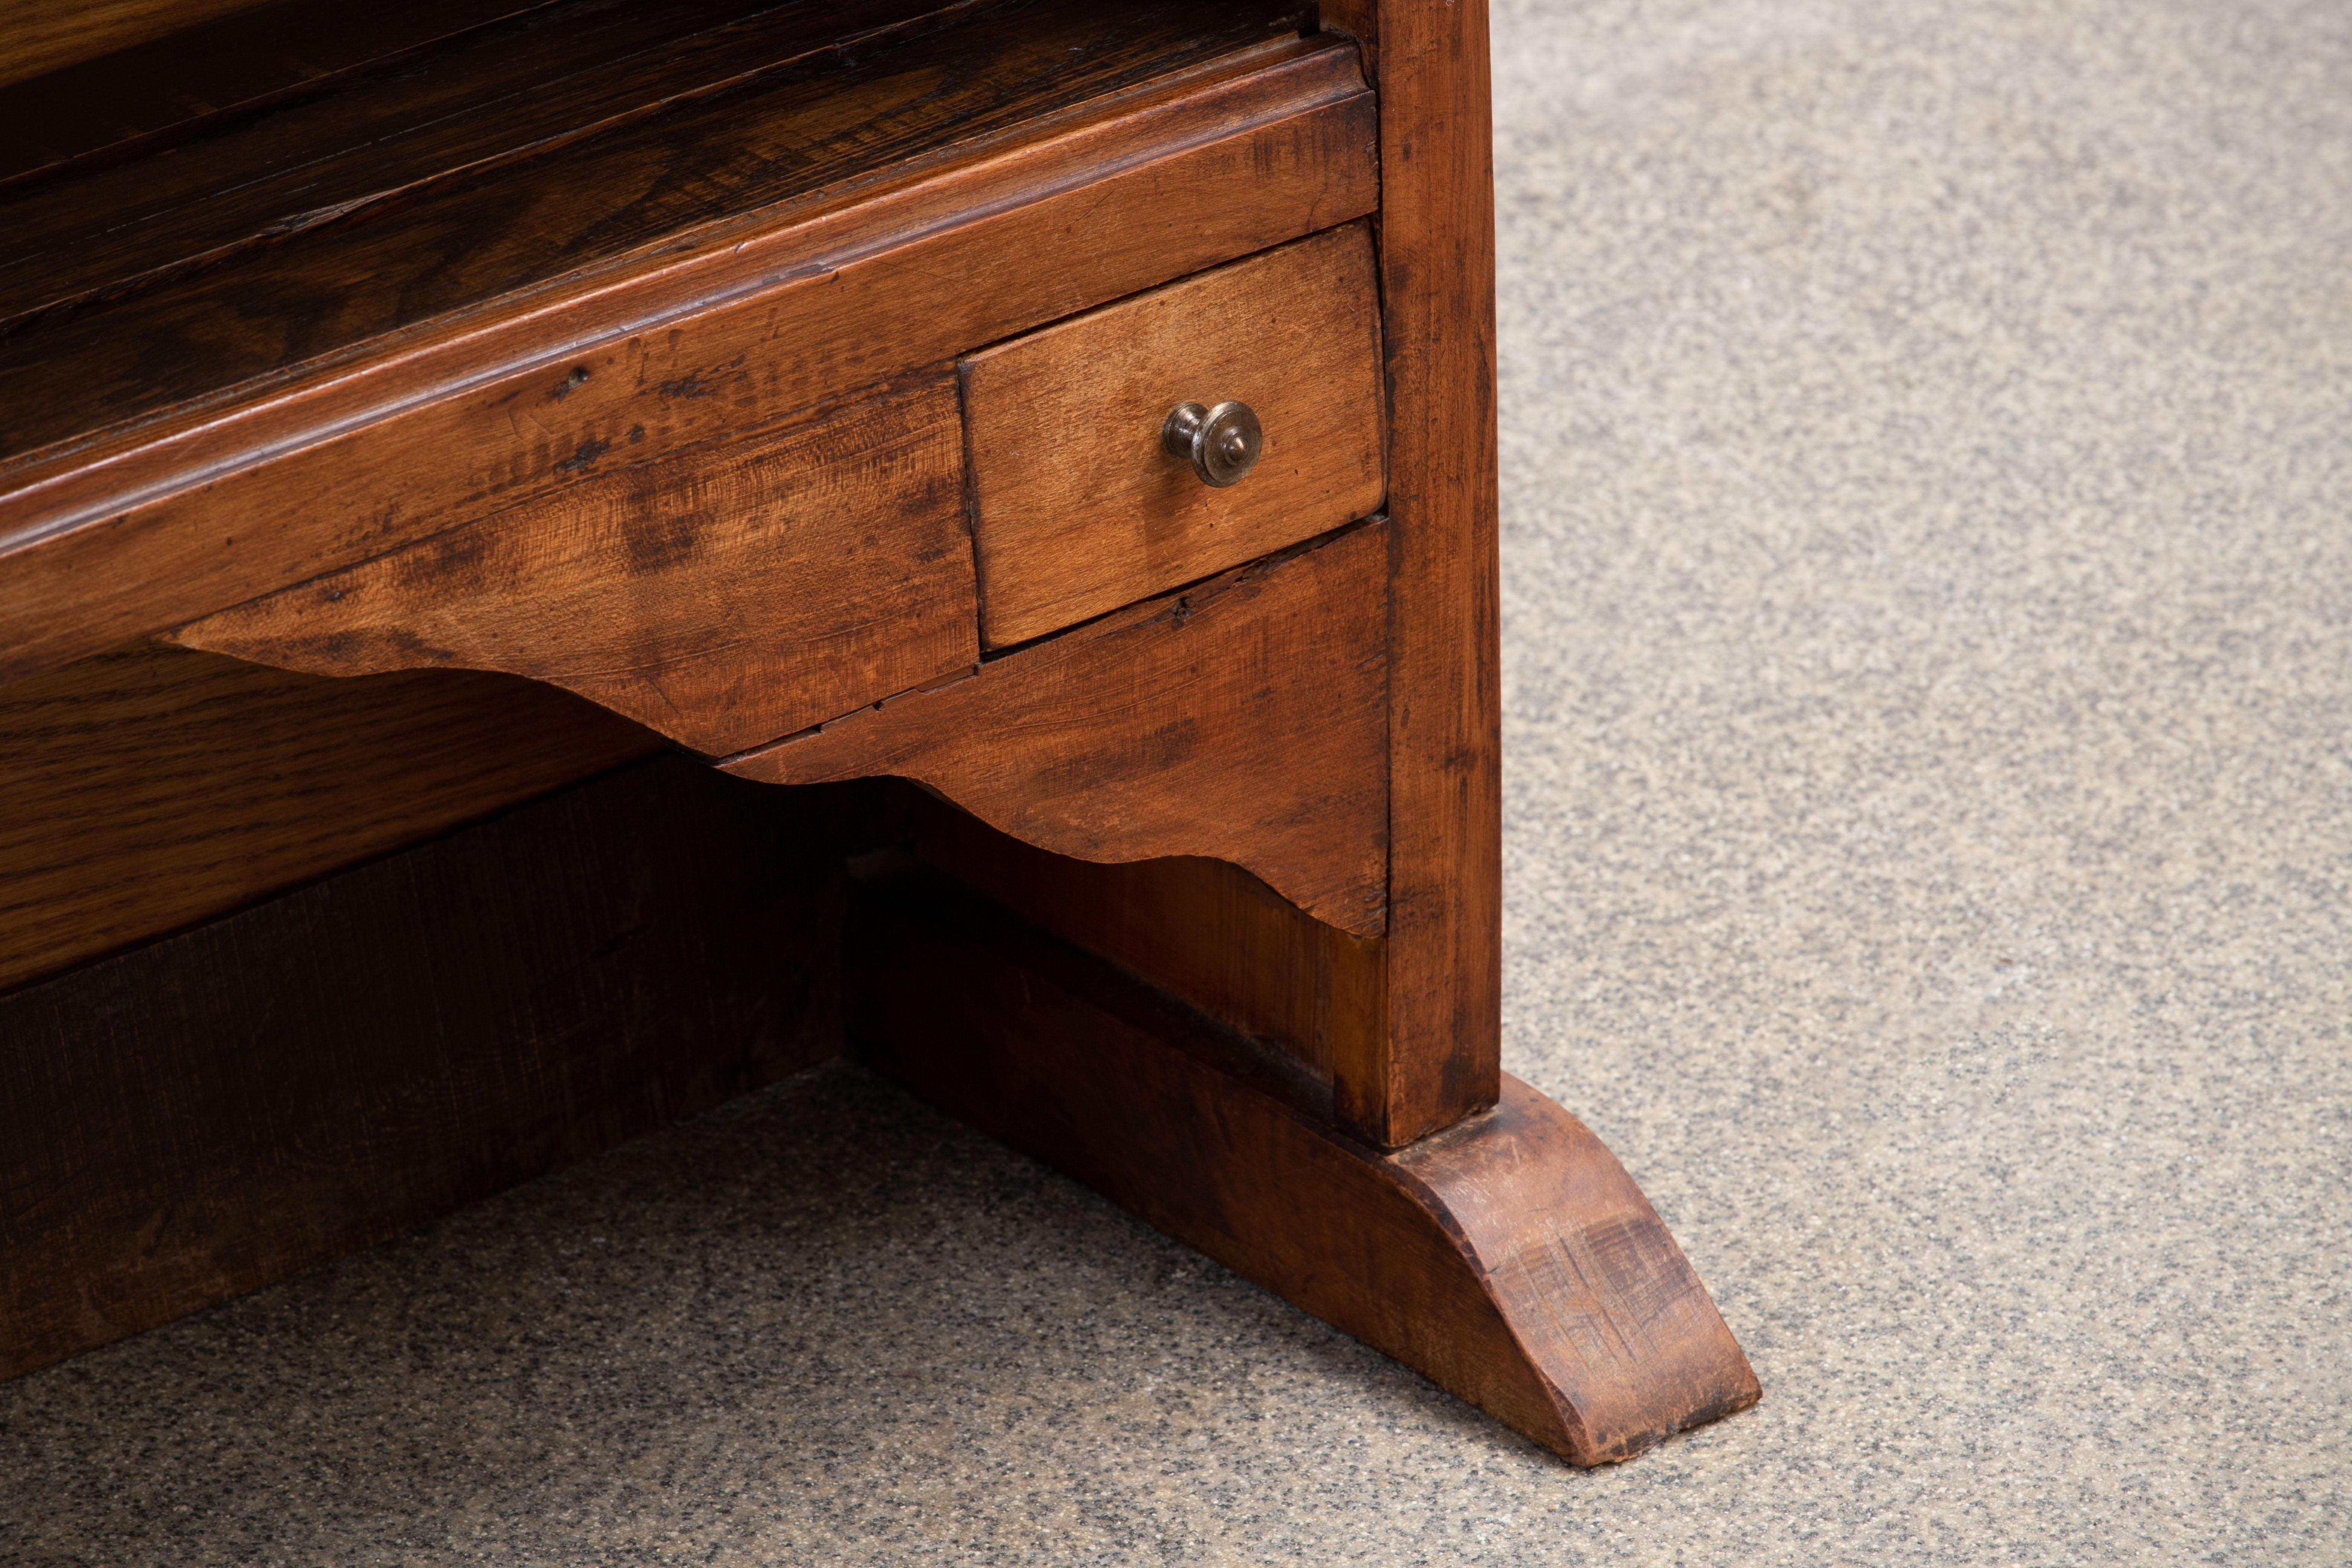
1510,1258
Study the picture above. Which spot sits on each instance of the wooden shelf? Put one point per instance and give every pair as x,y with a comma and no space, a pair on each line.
510,156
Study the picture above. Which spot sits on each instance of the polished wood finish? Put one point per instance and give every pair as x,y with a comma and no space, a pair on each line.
1510,1258
1078,508
195,1119
724,596
727,328
1444,1058
150,788
1238,719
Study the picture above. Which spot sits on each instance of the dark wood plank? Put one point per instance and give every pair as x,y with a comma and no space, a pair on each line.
1078,508
726,595
310,287
198,1118
1239,719
146,92
1437,284
564,74
150,788
152,528
1510,1258
1207,932
41,35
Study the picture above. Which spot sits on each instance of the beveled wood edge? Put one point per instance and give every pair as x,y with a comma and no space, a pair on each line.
1509,1259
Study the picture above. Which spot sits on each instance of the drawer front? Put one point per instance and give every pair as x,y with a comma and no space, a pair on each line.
1078,506
726,594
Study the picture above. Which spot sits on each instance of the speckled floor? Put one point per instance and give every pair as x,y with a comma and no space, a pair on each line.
1928,580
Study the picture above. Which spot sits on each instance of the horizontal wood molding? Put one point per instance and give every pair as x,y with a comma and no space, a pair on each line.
731,327
727,595
229,1106
150,788
1510,1258
1239,719
1078,509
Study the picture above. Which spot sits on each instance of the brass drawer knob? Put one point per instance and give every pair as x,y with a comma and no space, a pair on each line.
1222,444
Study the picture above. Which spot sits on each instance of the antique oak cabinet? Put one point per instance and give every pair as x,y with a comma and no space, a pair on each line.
561,560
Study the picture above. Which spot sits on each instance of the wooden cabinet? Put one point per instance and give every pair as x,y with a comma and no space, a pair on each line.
796,381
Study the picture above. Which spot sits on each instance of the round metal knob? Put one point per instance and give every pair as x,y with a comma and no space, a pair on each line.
1222,444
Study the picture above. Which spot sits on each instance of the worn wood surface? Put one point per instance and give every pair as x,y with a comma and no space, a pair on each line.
1239,719
1206,931
730,326
149,788
1509,1259
1077,507
725,595
148,91
227,1107
1445,833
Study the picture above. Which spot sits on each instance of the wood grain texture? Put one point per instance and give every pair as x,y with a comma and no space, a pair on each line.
725,595
1078,508
144,95
1207,932
224,1108
1239,719
149,788
1358,20
1437,288
729,328
41,35
1510,1258
557,78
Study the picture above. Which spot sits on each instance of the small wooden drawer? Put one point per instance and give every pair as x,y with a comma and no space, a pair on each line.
1077,508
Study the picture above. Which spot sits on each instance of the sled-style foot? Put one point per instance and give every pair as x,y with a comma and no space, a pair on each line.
1509,1259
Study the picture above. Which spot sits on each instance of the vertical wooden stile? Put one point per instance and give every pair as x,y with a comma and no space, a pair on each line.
1440,1058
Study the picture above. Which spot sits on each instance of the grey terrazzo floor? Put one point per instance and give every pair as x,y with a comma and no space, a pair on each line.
1928,589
